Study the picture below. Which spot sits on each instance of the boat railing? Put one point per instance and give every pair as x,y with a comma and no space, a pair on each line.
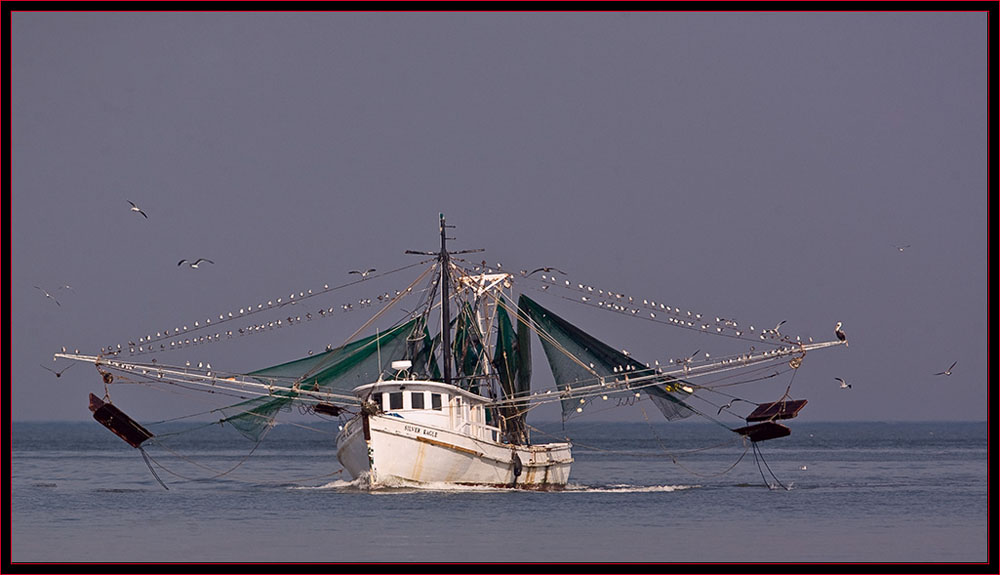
479,430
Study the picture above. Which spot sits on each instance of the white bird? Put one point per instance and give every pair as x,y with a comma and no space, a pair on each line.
843,384
135,208
48,295
840,335
363,274
947,371
60,372
901,248
196,262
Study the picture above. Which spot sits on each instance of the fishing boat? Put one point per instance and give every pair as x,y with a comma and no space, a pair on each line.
451,408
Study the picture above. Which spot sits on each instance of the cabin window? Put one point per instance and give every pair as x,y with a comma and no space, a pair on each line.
417,400
436,401
396,400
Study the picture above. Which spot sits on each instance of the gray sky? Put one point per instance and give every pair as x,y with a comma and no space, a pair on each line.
761,167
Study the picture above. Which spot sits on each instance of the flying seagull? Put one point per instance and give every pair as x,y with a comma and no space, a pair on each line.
363,274
901,248
545,269
196,262
135,208
60,372
840,335
947,371
730,404
843,384
48,295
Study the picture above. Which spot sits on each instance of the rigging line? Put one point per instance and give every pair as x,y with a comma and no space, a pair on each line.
696,328
540,332
756,450
195,463
145,458
261,309
389,305
673,456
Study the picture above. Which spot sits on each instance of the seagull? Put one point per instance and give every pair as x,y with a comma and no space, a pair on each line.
686,360
135,208
545,269
196,262
843,384
947,371
363,274
730,404
840,335
48,295
60,372
901,248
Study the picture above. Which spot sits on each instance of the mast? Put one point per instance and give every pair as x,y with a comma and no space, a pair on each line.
445,307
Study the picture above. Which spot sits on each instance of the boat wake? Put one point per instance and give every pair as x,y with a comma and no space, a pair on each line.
626,488
402,486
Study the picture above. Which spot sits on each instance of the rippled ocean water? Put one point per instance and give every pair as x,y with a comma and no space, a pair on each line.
831,493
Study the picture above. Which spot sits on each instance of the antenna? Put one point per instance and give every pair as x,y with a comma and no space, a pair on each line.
378,350
445,311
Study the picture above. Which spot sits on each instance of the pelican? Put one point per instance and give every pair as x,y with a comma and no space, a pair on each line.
546,269
196,262
947,371
48,295
843,384
363,274
60,372
135,208
840,335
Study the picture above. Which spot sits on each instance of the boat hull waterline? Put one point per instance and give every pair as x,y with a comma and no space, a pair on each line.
394,452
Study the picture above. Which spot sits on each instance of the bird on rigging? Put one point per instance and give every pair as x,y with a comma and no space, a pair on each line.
947,371
48,295
135,208
196,262
60,372
843,384
840,334
363,274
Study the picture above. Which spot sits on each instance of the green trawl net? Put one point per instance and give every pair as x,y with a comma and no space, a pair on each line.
513,368
578,359
337,371
468,350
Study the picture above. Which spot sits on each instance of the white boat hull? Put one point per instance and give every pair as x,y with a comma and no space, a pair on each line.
395,451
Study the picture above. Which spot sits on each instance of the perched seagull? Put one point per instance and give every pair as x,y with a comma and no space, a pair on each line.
135,208
48,295
363,274
686,360
843,384
947,371
196,262
546,269
59,373
730,404
840,335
